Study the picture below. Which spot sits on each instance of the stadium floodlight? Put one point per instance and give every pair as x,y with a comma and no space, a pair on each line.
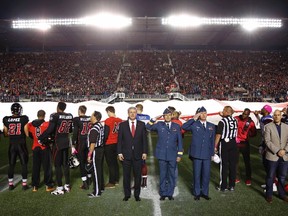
101,20
42,23
247,23
182,21
251,24
108,21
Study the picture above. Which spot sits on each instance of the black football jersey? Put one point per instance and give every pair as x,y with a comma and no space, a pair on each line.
15,126
81,126
60,125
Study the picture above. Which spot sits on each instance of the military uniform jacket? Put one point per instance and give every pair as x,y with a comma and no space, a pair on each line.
169,145
202,144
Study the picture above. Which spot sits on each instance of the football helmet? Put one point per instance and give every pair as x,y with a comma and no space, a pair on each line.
216,158
89,167
73,161
16,109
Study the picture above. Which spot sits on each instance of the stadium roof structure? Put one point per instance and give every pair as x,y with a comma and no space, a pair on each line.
144,33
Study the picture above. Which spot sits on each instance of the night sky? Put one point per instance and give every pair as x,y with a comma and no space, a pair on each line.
13,9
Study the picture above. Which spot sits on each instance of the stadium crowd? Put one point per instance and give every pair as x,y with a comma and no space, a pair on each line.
245,75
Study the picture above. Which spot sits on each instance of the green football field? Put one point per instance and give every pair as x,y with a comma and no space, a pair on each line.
244,201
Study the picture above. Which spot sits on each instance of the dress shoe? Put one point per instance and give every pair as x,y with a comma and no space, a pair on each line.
162,198
126,198
137,199
285,199
269,199
221,189
232,189
197,198
170,197
206,197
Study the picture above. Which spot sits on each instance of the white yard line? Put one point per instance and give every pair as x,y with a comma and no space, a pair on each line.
152,191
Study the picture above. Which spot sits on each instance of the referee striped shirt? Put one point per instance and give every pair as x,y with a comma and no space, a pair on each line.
227,127
96,135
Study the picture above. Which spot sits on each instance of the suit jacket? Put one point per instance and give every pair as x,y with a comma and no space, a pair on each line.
202,144
273,141
169,145
131,146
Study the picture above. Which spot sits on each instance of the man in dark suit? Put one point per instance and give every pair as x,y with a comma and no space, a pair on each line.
132,148
201,150
169,150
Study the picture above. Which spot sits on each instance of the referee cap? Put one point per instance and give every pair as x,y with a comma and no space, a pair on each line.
268,108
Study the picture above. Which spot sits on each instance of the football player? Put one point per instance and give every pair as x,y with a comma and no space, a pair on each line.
60,124
41,153
14,128
81,128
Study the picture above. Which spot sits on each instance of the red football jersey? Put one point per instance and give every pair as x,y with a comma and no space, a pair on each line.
113,124
36,132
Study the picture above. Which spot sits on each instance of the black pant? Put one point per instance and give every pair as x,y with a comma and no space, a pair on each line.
244,149
228,154
41,157
82,155
98,179
61,160
135,165
21,151
112,162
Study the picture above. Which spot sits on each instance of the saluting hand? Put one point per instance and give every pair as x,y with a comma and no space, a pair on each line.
120,157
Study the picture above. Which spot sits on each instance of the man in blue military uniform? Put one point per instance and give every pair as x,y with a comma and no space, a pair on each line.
168,151
201,150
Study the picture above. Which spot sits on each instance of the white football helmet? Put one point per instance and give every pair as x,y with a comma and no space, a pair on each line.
216,158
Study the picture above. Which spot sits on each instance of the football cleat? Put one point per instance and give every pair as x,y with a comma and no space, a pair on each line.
67,188
57,191
25,187
274,188
237,181
248,182
11,187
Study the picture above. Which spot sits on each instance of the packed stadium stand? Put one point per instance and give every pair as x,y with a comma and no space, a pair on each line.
197,74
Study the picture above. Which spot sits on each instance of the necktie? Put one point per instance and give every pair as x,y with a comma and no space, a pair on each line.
167,125
204,125
133,129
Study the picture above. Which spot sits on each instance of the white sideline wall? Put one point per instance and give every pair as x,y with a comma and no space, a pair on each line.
187,108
